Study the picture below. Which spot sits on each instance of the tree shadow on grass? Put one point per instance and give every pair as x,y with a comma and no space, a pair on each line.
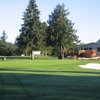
50,71
21,86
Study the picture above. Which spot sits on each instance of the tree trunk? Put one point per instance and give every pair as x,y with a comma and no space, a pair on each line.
26,52
60,52
46,53
32,55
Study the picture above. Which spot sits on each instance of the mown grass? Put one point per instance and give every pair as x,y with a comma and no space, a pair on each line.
48,79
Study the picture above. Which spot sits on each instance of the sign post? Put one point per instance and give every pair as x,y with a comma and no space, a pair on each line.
35,53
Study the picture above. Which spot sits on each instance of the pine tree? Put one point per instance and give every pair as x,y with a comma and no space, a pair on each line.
30,37
60,30
43,46
3,37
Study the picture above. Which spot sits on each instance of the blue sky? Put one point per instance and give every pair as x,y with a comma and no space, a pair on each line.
84,13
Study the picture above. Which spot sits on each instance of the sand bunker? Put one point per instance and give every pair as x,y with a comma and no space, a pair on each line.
91,66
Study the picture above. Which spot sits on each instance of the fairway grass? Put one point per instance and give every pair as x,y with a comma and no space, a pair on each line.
48,80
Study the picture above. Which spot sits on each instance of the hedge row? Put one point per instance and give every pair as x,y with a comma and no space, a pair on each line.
15,57
28,57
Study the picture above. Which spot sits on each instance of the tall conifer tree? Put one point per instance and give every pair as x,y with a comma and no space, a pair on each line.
30,37
60,30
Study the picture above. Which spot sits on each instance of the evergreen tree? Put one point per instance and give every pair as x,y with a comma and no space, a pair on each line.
30,37
6,48
3,37
43,33
60,30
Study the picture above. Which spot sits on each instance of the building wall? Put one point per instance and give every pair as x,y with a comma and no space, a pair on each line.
92,46
88,53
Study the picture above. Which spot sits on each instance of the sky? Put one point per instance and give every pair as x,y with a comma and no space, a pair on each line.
84,13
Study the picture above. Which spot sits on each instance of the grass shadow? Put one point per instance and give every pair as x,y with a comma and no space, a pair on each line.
50,71
23,86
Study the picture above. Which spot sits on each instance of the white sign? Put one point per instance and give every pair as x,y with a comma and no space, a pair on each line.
36,52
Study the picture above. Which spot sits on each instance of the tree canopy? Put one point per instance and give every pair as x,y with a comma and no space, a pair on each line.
55,36
3,36
6,48
61,33
30,37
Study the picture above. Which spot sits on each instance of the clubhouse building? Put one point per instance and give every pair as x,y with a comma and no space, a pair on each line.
91,49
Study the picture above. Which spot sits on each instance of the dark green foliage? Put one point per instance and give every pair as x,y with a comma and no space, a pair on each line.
6,48
61,34
3,37
43,34
15,57
30,37
54,38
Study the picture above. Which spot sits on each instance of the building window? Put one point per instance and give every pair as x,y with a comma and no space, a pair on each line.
98,49
90,48
85,48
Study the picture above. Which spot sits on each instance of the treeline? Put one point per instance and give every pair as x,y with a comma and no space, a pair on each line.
51,37
6,48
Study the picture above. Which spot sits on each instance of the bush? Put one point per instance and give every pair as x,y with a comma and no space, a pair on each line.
85,54
15,57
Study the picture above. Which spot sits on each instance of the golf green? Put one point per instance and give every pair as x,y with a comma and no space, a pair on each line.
48,80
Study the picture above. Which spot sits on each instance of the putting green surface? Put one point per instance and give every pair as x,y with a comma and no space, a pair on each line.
48,80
